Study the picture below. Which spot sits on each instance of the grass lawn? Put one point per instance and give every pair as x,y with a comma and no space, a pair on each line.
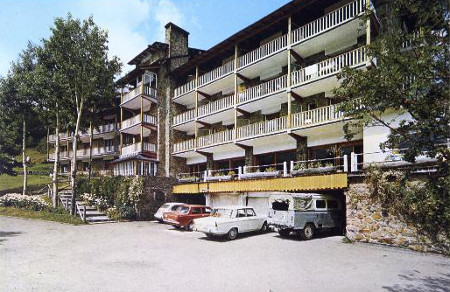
43,215
38,162
8,182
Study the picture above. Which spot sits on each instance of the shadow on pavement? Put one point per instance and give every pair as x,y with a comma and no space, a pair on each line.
318,235
4,234
239,237
423,284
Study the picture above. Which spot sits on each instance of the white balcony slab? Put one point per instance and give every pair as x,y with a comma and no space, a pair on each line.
265,64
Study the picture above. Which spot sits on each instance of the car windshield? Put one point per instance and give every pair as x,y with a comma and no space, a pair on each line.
183,209
222,213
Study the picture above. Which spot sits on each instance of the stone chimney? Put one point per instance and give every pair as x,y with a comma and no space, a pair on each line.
177,39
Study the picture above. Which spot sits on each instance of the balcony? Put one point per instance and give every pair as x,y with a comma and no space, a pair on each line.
262,128
184,146
273,93
62,137
133,125
343,24
130,100
321,76
136,148
264,58
216,138
185,94
219,79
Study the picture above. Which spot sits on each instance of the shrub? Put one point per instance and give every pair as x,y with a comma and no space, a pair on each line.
270,169
33,203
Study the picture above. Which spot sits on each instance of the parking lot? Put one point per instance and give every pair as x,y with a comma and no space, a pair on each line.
147,256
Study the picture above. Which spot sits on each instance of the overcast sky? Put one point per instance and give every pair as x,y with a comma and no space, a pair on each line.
132,24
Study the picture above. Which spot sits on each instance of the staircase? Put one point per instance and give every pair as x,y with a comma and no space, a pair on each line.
87,213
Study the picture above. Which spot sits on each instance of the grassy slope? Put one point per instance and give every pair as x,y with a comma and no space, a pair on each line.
62,218
39,164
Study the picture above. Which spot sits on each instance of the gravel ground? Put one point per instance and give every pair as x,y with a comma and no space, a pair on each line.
147,256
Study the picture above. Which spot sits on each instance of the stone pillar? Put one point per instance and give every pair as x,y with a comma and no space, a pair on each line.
249,156
209,162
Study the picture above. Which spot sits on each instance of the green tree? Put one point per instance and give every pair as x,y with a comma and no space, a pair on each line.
18,100
79,50
410,77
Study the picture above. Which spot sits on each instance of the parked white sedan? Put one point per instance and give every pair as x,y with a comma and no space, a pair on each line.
231,221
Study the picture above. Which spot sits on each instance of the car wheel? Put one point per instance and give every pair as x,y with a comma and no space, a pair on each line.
284,232
190,226
308,231
264,228
232,234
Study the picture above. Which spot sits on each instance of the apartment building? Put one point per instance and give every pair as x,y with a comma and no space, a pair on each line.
256,113
101,150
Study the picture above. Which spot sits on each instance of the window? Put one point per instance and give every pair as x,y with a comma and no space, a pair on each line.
250,213
207,210
332,204
320,204
240,213
196,211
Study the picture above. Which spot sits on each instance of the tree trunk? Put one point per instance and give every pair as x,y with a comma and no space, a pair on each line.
91,137
24,158
55,165
73,165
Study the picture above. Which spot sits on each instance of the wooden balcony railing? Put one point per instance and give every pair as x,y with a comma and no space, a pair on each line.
263,51
184,145
330,20
216,73
263,89
185,88
262,128
216,106
216,138
140,90
184,117
316,116
138,147
149,119
329,66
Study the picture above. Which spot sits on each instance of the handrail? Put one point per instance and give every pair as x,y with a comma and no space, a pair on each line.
316,116
261,128
329,66
184,117
185,88
216,73
216,138
216,105
140,90
263,51
328,21
265,88
184,145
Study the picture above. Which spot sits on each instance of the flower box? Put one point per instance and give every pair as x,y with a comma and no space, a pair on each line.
187,180
322,169
218,178
253,175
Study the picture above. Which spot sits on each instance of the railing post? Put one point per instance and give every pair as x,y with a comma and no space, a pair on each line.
245,169
84,213
291,168
345,163
353,162
239,172
285,172
205,174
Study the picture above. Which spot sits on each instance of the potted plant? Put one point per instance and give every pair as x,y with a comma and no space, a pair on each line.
268,172
220,176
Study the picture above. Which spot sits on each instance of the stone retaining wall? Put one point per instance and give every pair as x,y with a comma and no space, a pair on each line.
367,221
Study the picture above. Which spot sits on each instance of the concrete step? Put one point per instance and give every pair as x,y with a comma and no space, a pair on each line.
94,213
103,218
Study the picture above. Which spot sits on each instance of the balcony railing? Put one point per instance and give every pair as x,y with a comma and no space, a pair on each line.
137,119
329,66
263,51
216,106
316,116
262,128
138,147
184,117
216,73
330,20
140,90
216,138
184,145
263,89
185,88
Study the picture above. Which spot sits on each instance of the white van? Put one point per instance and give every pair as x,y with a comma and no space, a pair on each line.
304,213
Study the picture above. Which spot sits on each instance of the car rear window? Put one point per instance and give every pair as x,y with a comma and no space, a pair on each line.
175,207
196,211
183,209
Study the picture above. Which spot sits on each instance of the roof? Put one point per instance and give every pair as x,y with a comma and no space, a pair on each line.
133,157
150,49
251,30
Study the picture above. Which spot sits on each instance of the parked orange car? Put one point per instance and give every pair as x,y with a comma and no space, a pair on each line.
184,215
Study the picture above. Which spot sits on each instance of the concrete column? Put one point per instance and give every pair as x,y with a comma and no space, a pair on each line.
249,156
301,152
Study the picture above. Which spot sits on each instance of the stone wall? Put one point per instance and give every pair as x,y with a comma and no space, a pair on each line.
157,191
367,221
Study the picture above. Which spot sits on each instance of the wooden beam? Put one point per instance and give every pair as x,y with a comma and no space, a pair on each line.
243,112
297,96
243,78
245,147
297,57
206,154
296,136
204,124
204,94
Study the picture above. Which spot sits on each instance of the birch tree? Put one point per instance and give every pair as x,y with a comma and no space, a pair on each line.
79,50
